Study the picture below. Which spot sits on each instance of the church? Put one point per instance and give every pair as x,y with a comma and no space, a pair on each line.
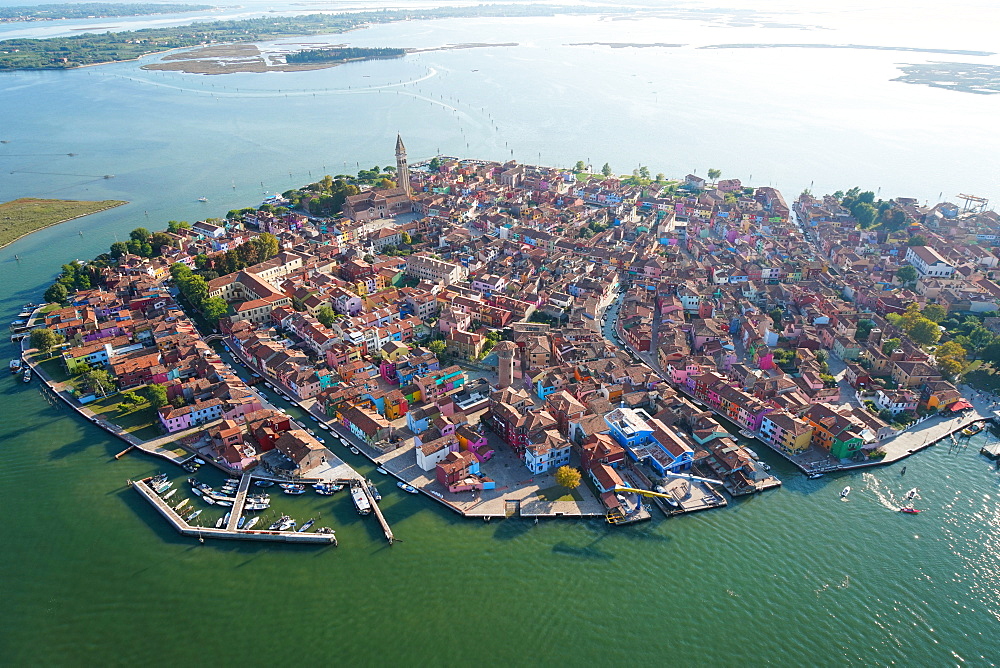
373,204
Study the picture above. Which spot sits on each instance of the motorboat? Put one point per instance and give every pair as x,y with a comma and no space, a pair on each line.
308,525
192,516
277,523
169,494
251,524
355,451
182,504
314,418
209,500
218,523
258,505
912,493
199,461
15,365
844,492
814,476
224,503
973,429
407,488
374,490
360,499
264,483
910,510
225,520
242,520
26,378
197,491
324,426
286,523
382,471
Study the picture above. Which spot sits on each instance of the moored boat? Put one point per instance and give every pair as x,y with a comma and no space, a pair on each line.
374,491
224,503
26,378
277,523
382,471
973,429
239,524
308,525
360,499
182,504
218,523
15,365
814,476
251,524
355,451
192,516
263,483
169,494
406,488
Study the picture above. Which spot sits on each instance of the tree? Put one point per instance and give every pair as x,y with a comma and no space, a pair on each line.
580,166
949,368
906,274
714,174
57,293
369,258
45,339
98,381
268,244
644,173
157,395
776,315
139,234
436,347
950,349
129,398
405,238
935,312
435,164
660,178
214,308
979,338
910,317
325,315
118,249
177,225
863,330
821,356
160,239
925,332
606,169
889,346
917,240
568,477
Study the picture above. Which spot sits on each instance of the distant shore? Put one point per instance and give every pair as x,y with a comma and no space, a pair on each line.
27,215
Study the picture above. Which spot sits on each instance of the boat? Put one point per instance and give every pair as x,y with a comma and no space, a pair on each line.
218,523
314,418
406,488
973,429
209,500
239,524
286,523
182,504
355,451
15,365
360,499
169,494
199,461
235,482
382,471
225,520
912,493
163,486
324,426
746,433
277,522
257,506
225,503
374,490
251,524
264,483
192,516
814,476
26,378
202,199
308,525
844,492
910,510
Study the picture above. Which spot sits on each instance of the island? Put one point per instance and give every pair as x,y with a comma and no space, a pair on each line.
91,10
21,217
91,48
523,340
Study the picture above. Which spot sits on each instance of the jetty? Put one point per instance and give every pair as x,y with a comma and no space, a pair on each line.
185,529
239,503
386,529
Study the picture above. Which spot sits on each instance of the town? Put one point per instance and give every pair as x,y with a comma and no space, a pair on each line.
510,339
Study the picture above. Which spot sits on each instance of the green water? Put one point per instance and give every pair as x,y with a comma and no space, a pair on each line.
90,575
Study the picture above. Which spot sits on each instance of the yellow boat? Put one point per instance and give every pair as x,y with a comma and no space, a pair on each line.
973,429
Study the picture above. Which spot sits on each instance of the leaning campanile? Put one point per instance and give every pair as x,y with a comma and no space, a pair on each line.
402,169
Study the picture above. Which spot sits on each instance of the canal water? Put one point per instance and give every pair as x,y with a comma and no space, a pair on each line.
91,574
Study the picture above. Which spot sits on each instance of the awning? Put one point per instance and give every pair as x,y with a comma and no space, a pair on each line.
960,405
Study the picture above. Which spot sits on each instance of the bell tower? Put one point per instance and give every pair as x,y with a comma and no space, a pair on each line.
402,169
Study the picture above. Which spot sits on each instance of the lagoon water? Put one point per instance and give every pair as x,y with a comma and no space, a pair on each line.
791,577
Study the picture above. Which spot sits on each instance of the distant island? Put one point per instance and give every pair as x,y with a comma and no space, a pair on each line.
92,49
91,10
21,217
342,54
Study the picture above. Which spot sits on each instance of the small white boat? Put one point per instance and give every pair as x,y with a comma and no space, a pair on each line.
15,365
324,426
196,491
912,493
814,476
355,451
26,378
202,199
286,524
844,492
209,500
263,483
218,523
277,523
192,516
251,524
199,461
407,488
169,494
382,471
308,525
224,504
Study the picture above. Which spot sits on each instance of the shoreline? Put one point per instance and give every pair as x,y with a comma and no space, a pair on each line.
65,220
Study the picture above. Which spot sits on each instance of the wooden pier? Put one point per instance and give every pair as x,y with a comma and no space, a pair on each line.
378,513
239,503
185,529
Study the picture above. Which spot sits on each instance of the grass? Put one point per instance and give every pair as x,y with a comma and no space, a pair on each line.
559,493
23,216
983,378
140,421
53,367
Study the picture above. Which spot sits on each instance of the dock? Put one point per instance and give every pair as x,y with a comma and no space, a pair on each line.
386,529
185,529
241,500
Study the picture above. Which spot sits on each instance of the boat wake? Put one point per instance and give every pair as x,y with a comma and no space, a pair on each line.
884,496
